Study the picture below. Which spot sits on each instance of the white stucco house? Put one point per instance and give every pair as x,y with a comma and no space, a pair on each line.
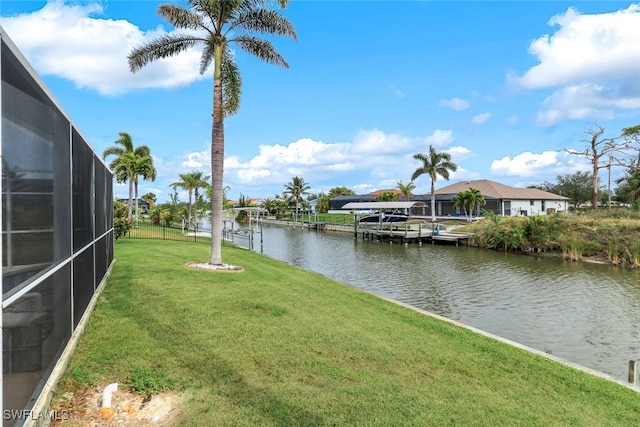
502,199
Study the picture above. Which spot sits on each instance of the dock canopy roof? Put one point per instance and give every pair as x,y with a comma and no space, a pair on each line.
382,205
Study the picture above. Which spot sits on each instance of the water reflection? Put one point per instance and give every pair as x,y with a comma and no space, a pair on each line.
585,313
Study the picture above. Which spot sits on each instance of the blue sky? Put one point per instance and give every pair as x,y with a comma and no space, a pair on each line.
504,87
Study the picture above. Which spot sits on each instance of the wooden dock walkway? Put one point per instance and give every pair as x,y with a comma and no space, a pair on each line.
411,233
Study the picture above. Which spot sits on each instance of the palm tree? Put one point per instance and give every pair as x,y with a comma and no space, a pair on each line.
269,205
433,164
190,182
461,201
126,169
406,190
216,25
200,181
475,200
468,201
143,167
296,189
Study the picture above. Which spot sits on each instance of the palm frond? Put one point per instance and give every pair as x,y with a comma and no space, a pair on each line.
161,47
180,17
265,21
208,54
220,12
112,151
142,151
263,49
231,84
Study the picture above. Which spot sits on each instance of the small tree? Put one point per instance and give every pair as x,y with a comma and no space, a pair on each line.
340,191
150,198
121,222
387,196
576,186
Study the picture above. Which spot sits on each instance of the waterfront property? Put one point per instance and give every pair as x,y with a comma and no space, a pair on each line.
57,233
500,199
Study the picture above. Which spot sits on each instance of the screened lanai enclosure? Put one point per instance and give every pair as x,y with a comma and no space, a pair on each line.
57,234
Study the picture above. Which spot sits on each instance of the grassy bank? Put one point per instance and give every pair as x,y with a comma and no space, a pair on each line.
276,345
611,239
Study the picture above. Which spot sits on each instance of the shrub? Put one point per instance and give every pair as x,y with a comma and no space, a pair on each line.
121,227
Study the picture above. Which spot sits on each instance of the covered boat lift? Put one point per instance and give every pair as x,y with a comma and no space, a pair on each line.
404,232
407,207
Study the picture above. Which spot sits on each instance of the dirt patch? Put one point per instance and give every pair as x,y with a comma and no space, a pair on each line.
127,409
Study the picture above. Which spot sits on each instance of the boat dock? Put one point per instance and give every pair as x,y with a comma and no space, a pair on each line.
406,233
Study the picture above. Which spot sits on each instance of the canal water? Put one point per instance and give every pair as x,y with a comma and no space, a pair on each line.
586,313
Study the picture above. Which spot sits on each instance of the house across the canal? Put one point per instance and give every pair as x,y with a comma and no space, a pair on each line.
500,199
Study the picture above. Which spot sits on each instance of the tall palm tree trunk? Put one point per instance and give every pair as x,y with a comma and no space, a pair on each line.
433,201
136,198
189,211
130,198
217,162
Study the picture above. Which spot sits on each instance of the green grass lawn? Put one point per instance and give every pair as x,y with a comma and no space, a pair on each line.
276,345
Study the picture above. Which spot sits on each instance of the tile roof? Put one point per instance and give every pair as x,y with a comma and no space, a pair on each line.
495,190
390,190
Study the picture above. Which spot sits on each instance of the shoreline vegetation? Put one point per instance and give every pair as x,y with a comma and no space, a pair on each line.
605,237
611,237
278,345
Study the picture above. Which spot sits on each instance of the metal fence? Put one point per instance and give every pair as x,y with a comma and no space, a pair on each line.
243,237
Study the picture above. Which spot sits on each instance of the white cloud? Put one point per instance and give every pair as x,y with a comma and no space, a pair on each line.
68,41
458,153
547,163
441,137
377,142
379,156
455,104
593,63
278,163
480,118
197,160
585,102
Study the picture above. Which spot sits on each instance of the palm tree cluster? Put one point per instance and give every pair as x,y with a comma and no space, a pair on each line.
191,183
216,25
469,201
130,163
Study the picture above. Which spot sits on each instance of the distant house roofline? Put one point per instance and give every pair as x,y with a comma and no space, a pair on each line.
495,190
382,205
